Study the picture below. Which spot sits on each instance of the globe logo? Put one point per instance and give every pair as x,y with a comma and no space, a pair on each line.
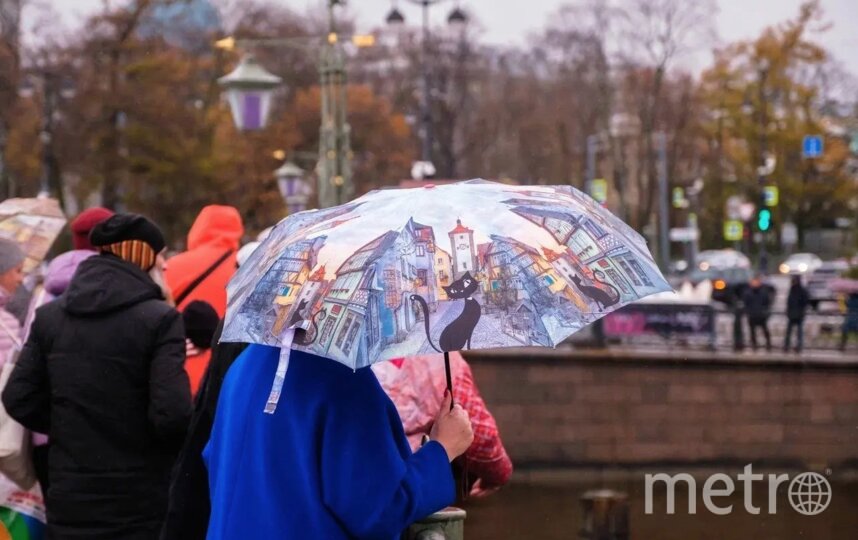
809,493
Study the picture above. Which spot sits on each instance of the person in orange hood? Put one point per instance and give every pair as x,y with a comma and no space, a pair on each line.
202,272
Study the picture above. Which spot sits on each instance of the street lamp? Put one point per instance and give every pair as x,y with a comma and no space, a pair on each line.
248,89
293,187
458,19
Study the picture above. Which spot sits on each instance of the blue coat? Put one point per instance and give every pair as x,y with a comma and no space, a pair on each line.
331,463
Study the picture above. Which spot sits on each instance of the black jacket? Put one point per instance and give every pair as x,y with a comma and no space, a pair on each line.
102,374
797,302
757,302
189,508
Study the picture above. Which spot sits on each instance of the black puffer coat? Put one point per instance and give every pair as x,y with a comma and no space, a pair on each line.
102,374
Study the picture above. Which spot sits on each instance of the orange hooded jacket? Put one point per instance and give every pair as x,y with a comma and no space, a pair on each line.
216,232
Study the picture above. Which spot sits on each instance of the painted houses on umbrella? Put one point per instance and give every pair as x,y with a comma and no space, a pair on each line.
373,287
598,250
273,296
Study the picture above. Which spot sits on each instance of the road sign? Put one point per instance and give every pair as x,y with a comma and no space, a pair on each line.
771,195
734,207
599,190
678,197
789,234
684,234
734,230
812,146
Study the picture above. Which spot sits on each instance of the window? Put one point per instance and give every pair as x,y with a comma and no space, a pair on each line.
422,275
421,251
548,280
327,330
464,265
285,290
337,309
391,291
629,272
615,277
495,284
344,330
640,272
350,340
594,228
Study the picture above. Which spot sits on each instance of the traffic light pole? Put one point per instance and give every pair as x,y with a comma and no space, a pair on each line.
762,171
764,217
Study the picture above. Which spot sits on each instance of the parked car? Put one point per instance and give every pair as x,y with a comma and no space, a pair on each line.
728,284
819,282
800,263
721,258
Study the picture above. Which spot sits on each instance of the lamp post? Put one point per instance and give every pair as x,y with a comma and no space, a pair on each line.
456,18
249,90
293,187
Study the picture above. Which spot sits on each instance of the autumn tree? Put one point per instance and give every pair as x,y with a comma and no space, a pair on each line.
762,97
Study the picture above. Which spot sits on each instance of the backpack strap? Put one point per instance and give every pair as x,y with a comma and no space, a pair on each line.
202,277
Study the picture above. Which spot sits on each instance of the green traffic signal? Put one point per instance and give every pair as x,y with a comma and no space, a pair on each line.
764,219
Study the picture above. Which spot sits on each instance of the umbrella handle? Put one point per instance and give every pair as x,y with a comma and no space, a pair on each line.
449,377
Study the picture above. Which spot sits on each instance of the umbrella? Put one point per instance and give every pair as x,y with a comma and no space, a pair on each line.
844,285
34,224
470,265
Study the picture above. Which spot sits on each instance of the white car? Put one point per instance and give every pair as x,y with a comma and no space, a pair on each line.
721,258
819,281
800,263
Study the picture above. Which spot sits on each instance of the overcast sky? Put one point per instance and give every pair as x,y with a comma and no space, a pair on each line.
511,21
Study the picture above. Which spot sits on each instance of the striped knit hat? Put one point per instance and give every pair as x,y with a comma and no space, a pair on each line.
130,237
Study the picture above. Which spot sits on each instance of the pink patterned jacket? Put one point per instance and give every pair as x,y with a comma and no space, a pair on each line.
416,386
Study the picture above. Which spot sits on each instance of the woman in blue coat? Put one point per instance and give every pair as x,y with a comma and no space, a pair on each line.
332,462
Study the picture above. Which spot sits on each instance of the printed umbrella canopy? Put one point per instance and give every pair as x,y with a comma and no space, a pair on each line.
471,265
34,224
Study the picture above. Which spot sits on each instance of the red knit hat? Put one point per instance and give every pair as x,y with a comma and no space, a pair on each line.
84,223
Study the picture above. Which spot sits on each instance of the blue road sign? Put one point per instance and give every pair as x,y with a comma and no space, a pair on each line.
811,146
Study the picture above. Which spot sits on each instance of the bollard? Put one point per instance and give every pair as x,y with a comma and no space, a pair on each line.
605,515
448,524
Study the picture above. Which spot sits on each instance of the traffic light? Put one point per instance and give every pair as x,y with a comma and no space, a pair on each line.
764,219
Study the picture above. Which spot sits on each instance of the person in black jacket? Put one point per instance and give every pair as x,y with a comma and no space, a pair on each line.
189,507
757,301
797,302
102,374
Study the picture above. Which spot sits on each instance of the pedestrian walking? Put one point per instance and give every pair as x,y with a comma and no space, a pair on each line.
203,271
331,461
102,374
850,323
797,301
757,301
